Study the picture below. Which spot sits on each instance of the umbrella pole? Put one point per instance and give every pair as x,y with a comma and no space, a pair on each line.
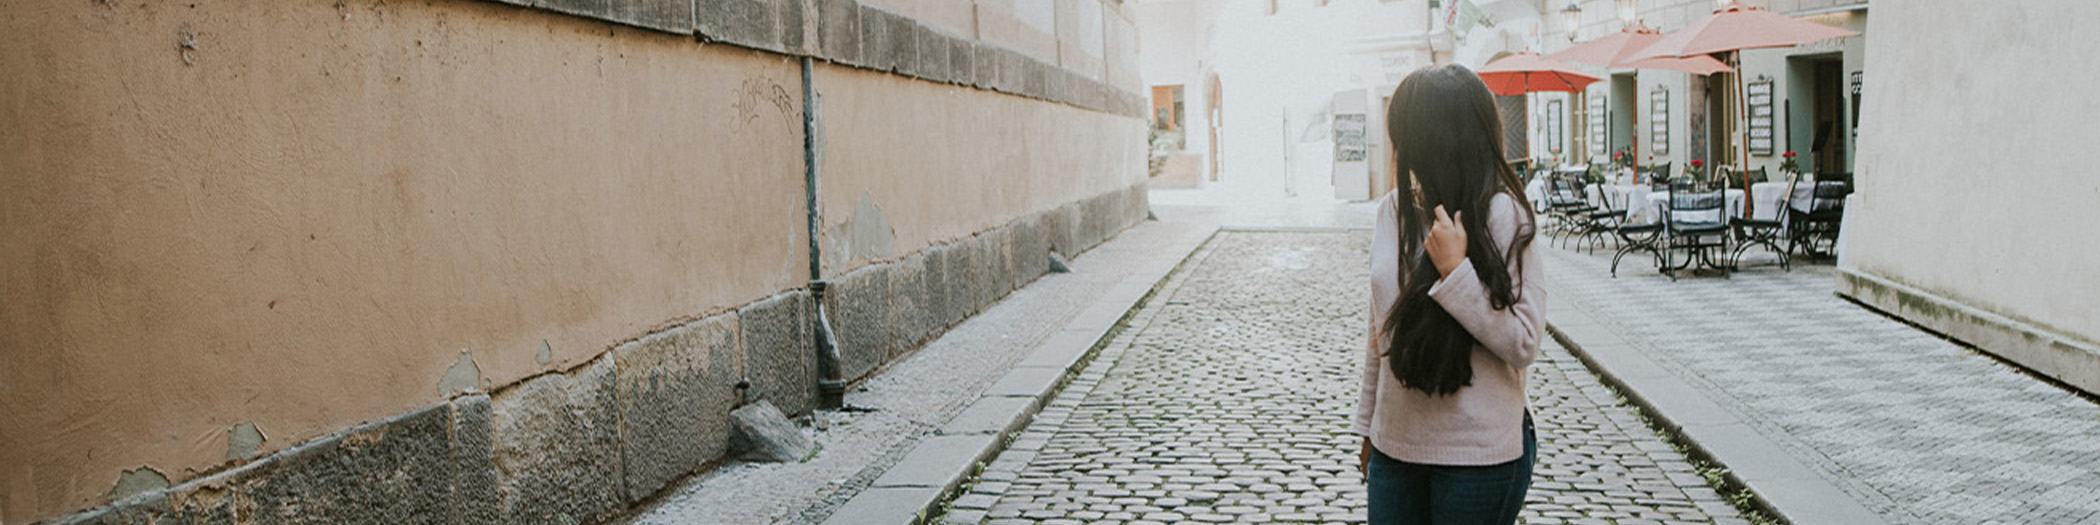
1742,131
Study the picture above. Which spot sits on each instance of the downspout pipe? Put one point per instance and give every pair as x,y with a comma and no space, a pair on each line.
831,381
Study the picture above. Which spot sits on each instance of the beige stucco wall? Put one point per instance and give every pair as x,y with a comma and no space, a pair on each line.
1974,183
306,227
939,162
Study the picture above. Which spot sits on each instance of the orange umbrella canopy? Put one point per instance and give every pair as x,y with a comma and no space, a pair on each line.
1530,73
1612,49
1739,27
1695,64
1617,50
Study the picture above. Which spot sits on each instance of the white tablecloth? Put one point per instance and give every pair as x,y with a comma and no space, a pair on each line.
1766,196
1661,199
1632,198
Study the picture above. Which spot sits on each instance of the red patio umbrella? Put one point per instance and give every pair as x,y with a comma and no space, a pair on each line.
1530,73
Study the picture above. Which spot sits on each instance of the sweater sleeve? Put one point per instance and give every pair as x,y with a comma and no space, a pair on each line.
1385,239
1512,334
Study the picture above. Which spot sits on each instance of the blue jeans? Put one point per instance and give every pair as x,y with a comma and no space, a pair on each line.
1413,493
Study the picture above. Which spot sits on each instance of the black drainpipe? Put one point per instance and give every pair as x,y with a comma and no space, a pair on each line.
831,381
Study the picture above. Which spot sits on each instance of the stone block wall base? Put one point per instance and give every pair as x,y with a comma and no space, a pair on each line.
883,311
2070,361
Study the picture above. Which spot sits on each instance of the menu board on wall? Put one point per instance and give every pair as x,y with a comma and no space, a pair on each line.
1598,129
1349,143
1759,96
1553,127
1659,122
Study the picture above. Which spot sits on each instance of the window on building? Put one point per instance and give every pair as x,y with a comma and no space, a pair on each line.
1168,108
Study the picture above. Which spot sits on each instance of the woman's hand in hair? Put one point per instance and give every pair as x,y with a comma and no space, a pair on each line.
1447,242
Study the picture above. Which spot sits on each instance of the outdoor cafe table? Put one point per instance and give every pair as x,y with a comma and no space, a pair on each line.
1766,195
1643,203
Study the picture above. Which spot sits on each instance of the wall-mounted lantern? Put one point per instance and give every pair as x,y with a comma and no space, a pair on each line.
1571,18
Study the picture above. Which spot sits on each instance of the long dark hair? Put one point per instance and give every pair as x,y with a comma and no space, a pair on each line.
1447,141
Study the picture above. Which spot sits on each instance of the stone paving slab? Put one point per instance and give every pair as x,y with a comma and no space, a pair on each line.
935,461
1906,425
905,404
1227,399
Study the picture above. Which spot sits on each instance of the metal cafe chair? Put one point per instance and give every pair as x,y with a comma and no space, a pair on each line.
1812,228
1751,232
1565,204
1638,237
1595,225
1696,224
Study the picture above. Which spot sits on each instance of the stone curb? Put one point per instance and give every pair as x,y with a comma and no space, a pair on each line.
1778,484
932,472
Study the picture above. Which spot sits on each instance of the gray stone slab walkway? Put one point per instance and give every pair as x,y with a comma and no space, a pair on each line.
1227,400
930,415
1829,411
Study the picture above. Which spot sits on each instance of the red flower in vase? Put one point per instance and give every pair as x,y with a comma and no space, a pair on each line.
1787,155
1697,163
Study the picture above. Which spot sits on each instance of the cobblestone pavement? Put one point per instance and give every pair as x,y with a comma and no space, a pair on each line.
1916,428
909,398
1230,403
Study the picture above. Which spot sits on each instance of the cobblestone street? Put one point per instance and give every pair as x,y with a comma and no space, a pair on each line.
1229,400
1915,428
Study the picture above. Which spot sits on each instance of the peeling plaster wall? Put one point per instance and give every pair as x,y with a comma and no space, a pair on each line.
306,225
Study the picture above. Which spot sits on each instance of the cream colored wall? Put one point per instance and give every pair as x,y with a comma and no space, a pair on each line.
955,17
1028,26
306,224
1974,181
1678,154
940,162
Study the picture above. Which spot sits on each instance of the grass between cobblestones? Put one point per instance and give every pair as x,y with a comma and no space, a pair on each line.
1724,481
1732,490
946,502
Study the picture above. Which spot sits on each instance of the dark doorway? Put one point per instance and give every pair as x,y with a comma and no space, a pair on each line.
1720,121
1624,113
1828,122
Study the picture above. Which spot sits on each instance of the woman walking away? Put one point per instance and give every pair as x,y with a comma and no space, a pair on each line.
1457,309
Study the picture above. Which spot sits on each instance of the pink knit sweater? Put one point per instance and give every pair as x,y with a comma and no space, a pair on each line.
1481,424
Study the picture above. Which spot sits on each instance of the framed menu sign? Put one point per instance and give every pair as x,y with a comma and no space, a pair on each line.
1349,145
1598,129
1553,125
1659,122
1759,96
